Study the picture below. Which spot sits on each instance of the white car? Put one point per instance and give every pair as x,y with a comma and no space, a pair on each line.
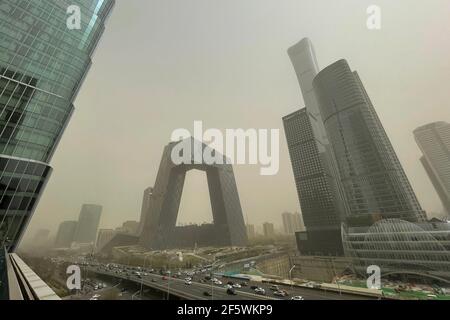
188,279
260,291
297,298
228,286
217,282
237,285
188,282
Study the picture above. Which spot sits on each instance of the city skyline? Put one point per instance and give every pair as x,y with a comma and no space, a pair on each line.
103,187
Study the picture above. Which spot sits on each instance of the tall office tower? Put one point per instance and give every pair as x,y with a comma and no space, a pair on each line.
251,233
314,171
41,237
65,234
375,185
291,222
42,66
88,223
434,141
146,198
268,230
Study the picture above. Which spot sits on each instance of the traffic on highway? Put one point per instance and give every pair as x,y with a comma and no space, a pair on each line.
205,284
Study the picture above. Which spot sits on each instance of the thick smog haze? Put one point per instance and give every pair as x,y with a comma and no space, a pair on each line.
162,64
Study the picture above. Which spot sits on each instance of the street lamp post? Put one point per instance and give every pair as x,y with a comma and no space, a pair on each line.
142,276
168,286
290,275
335,275
132,297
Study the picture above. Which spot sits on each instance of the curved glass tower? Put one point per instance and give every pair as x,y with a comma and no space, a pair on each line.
42,66
372,177
320,196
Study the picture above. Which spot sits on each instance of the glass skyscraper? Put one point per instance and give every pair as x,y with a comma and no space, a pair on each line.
42,66
374,182
434,141
320,198
88,222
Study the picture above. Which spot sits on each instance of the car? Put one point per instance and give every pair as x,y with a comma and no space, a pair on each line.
153,280
227,286
260,291
231,292
96,296
254,287
206,294
218,282
297,298
188,282
93,298
244,284
236,285
280,293
274,288
188,279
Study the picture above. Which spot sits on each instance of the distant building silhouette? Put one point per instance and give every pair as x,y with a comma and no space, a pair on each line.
103,238
251,233
65,234
291,222
146,199
88,222
41,238
268,230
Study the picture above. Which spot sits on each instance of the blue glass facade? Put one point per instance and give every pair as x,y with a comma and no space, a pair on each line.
42,65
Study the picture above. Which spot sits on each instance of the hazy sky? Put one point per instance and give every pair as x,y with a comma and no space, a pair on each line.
164,63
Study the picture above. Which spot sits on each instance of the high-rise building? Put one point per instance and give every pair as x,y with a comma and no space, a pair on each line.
88,222
374,182
65,234
103,238
434,142
42,66
41,237
251,233
318,191
160,230
146,198
291,222
268,229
